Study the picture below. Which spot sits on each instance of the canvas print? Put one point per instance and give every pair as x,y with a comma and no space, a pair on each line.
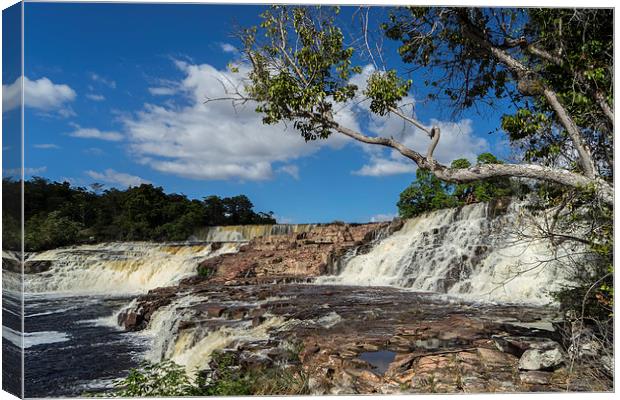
228,199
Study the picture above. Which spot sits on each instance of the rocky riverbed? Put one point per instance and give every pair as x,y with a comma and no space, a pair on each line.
365,340
261,302
420,306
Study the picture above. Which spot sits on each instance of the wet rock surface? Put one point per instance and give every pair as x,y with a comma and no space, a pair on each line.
369,339
305,254
262,306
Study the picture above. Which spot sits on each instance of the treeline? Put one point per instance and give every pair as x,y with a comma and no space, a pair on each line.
427,193
57,214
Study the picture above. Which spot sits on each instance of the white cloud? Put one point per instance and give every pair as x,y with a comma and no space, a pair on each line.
228,48
215,140
290,169
382,217
95,97
162,91
457,138
40,94
116,178
380,166
45,146
28,171
100,79
94,133
283,220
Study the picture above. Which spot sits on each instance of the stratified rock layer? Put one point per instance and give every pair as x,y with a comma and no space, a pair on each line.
306,254
348,339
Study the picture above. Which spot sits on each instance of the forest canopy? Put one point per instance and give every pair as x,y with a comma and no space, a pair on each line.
58,214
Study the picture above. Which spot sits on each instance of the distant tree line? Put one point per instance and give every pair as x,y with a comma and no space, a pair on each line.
428,193
58,214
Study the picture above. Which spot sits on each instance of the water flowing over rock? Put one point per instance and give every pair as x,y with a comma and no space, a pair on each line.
361,308
297,255
131,267
245,233
472,252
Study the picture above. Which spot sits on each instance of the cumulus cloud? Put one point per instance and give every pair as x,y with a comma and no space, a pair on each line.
228,48
94,133
457,138
381,166
382,217
45,146
116,178
290,169
41,94
104,81
95,97
28,171
215,140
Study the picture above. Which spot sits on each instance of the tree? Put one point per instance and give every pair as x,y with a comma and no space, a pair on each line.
483,190
426,193
57,214
555,66
300,70
49,231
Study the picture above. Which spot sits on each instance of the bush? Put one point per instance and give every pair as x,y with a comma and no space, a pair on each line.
156,380
225,378
427,193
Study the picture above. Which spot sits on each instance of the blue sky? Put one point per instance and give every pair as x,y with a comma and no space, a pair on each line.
114,94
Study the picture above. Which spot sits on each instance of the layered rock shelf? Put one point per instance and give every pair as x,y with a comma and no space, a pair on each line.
351,339
297,255
372,340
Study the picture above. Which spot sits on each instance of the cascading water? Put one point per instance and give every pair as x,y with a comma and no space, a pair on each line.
244,233
119,268
467,252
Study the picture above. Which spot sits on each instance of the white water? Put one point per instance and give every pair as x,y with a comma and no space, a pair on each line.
244,233
193,347
33,338
119,268
462,252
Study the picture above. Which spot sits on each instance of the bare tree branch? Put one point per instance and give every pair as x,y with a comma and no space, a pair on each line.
462,175
521,71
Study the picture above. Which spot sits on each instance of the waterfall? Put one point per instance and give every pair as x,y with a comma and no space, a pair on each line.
467,252
244,233
118,268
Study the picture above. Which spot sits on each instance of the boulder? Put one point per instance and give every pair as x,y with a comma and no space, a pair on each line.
517,345
544,358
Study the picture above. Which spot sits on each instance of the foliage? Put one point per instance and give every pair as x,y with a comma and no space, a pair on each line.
569,51
427,193
385,90
590,294
57,214
224,378
156,380
483,190
51,230
314,72
228,378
